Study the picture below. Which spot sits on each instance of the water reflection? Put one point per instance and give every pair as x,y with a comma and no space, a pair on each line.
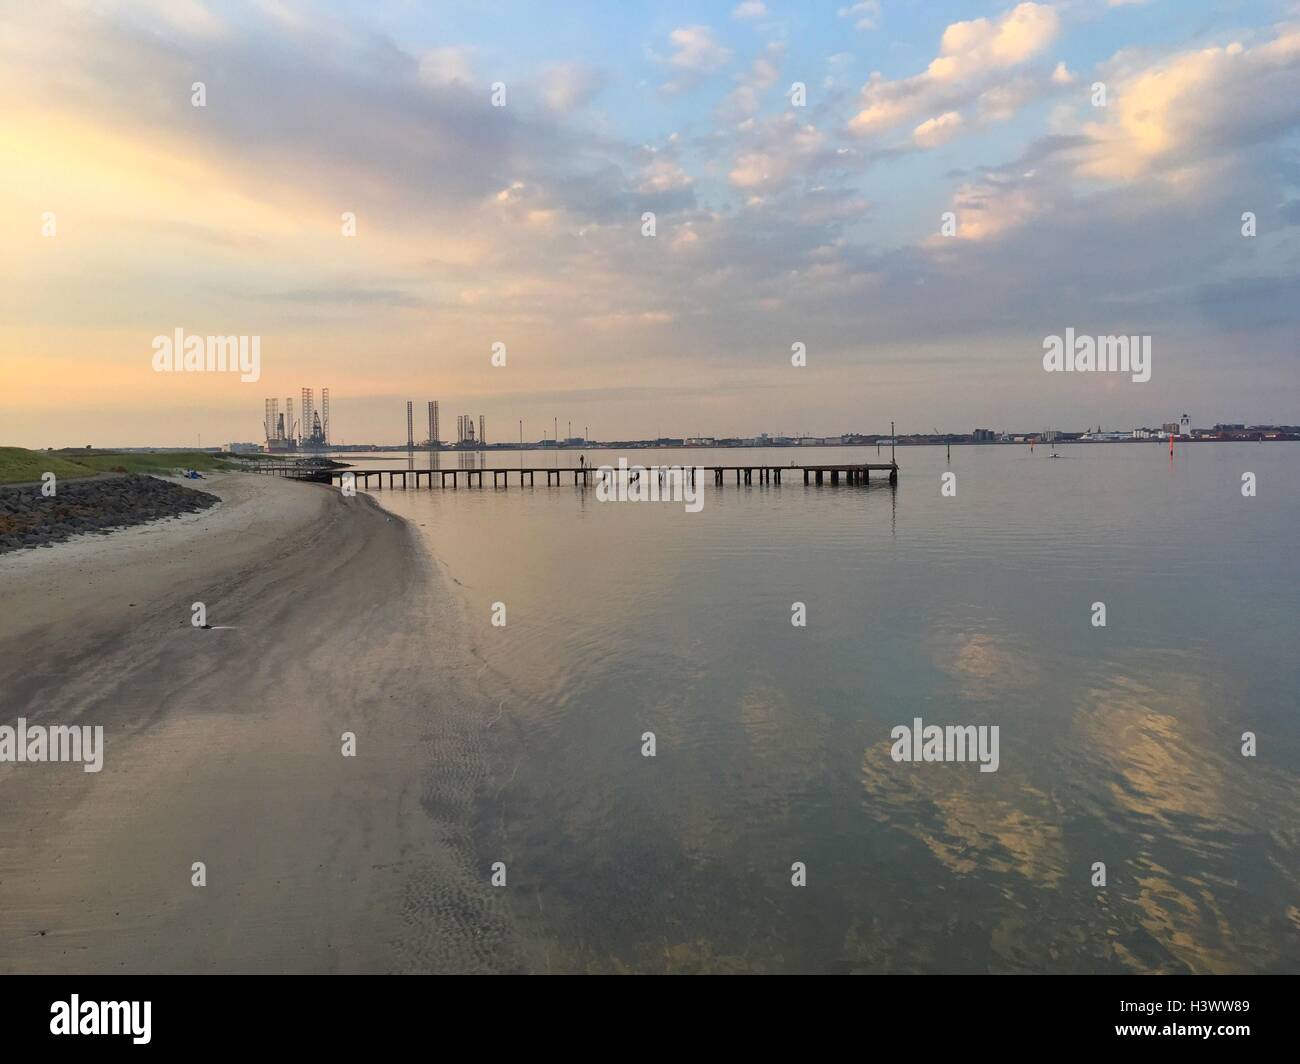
1119,745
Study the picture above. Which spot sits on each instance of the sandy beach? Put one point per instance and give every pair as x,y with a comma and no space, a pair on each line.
223,746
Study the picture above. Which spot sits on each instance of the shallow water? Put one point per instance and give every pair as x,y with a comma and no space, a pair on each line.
1119,744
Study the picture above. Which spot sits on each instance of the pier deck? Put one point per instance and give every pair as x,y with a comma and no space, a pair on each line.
743,474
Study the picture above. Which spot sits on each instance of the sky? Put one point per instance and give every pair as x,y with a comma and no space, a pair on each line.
918,193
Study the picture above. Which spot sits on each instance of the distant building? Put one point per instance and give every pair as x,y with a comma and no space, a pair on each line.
243,448
984,435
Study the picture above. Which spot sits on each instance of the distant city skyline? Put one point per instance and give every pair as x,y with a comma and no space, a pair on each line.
1183,426
916,195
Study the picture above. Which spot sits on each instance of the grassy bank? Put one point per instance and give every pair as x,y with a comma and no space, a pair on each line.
18,465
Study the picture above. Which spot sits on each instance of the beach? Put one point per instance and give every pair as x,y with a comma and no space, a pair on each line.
223,746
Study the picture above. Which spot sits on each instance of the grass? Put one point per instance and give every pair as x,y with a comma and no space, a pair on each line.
18,465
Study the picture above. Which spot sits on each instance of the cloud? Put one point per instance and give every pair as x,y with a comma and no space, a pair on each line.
696,50
663,175
1004,100
750,9
981,44
696,54
447,66
993,208
524,221
972,55
190,18
935,131
777,152
1184,110
566,86
865,14
744,100
349,295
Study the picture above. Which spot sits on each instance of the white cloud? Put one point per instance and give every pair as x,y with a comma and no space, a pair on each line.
750,9
865,14
663,175
566,86
989,211
780,150
972,54
981,44
1185,109
938,130
696,54
190,17
1003,100
743,101
697,50
446,66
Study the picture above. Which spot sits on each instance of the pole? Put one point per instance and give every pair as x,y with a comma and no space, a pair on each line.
891,443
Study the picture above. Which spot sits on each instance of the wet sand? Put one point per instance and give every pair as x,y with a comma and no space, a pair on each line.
224,746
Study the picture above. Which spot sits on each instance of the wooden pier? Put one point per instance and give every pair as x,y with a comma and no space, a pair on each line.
586,475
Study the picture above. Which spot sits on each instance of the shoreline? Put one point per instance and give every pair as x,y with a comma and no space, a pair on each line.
223,746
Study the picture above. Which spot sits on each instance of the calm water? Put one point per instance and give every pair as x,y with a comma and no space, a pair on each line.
1119,744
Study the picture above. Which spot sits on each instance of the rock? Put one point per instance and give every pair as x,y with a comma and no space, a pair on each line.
29,519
